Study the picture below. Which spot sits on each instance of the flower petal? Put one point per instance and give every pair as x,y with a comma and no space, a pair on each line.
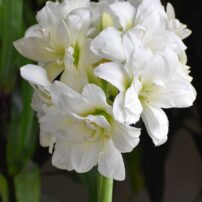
126,16
114,73
177,93
132,101
78,22
65,97
35,49
123,112
50,14
74,78
87,57
124,137
60,35
156,123
61,156
95,96
161,67
132,41
35,75
170,11
53,70
84,156
99,120
108,44
110,162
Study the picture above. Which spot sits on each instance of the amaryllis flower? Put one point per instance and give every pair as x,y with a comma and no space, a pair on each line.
80,124
61,44
86,133
101,68
147,83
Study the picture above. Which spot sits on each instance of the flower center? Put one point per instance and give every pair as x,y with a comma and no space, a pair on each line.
146,92
76,54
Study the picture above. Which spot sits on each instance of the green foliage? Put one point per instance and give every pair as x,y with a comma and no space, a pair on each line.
89,179
27,184
11,28
22,131
4,189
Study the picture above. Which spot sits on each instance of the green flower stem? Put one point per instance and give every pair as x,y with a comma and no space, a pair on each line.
105,189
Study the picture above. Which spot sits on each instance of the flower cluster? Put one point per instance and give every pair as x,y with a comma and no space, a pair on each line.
102,67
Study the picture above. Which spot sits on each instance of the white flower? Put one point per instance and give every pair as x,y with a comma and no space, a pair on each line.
147,83
61,43
101,68
86,133
110,44
54,12
175,25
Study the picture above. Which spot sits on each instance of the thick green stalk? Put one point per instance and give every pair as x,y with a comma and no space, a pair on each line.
105,189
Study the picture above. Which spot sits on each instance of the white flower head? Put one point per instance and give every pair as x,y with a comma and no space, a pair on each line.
59,41
86,133
102,67
147,83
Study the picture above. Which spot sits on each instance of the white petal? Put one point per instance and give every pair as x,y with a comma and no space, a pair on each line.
53,122
74,78
132,101
78,22
125,138
46,139
132,41
114,73
95,96
110,162
156,123
87,57
84,156
177,93
66,97
50,14
118,109
126,16
35,49
35,75
170,11
34,31
60,35
161,67
62,155
99,120
167,39
53,70
71,5
121,111
108,44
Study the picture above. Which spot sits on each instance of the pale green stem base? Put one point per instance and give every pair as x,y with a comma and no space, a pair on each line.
105,189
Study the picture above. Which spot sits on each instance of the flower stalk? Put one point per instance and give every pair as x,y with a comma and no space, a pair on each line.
105,189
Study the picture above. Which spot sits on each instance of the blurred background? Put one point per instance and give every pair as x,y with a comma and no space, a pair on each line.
169,173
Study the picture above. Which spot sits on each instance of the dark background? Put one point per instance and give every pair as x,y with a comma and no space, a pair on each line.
169,173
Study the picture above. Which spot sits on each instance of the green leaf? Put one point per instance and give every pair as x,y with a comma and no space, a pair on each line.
4,189
27,184
89,180
11,28
22,131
